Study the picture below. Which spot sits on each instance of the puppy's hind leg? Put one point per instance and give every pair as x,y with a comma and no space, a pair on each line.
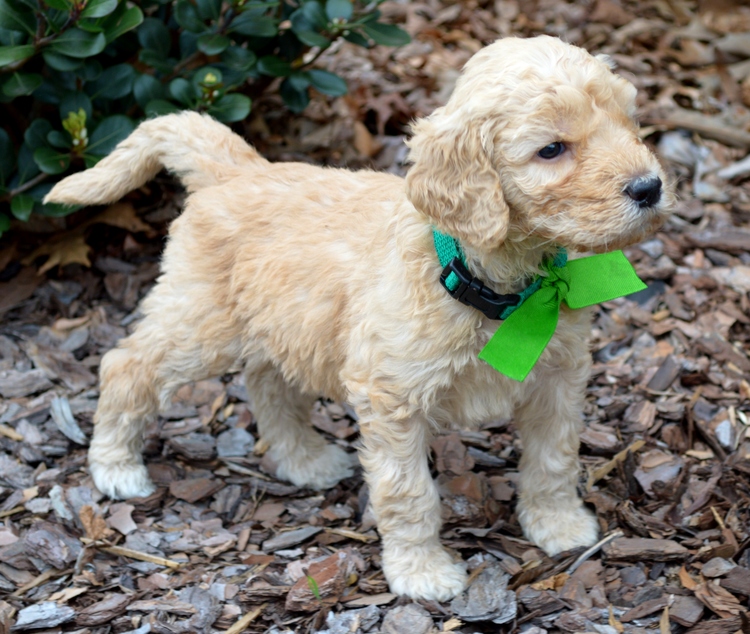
301,455
138,377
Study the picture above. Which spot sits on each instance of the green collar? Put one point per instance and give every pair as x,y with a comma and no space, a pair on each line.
461,285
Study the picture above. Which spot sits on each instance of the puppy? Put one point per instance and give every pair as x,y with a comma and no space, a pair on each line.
326,282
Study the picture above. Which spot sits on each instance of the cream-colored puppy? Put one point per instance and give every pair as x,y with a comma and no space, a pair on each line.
326,282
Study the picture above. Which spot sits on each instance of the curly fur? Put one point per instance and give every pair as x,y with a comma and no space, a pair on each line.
325,281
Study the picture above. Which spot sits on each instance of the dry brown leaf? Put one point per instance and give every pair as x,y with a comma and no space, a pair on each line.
718,600
66,248
93,523
121,215
551,583
664,627
686,580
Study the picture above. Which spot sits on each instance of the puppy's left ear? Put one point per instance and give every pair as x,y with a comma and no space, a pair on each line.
453,182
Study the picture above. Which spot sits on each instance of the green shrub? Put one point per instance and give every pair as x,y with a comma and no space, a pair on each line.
76,76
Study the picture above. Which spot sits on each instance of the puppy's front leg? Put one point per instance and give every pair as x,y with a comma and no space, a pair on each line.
407,508
549,422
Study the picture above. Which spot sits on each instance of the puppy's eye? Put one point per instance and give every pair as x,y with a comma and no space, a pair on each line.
552,150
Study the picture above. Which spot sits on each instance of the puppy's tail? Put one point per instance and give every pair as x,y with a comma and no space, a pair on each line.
199,150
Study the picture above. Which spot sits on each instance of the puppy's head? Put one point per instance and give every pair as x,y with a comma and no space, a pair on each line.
538,139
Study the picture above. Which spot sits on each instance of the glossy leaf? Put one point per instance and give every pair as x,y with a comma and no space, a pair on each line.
295,97
19,84
60,5
357,38
386,34
4,224
27,167
21,206
315,14
79,44
213,43
159,107
327,83
16,18
341,9
253,25
238,58
209,9
63,63
187,17
273,66
59,140
11,54
231,108
147,88
50,161
183,91
98,8
36,134
113,83
154,36
121,21
109,133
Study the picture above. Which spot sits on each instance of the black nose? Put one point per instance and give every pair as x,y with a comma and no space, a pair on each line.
645,190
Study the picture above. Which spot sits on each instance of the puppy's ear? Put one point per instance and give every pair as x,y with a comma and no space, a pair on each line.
453,182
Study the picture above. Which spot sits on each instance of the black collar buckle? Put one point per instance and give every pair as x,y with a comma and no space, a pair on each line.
474,293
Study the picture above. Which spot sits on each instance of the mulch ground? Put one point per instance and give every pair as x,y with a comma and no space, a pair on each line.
223,546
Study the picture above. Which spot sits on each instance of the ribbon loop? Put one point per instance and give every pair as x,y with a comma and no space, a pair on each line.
521,339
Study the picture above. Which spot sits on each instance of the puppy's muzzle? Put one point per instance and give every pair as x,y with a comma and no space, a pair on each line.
645,191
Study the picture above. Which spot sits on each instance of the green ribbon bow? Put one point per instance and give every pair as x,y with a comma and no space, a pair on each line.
523,336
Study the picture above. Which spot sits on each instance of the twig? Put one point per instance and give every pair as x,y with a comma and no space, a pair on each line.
242,624
600,472
351,534
595,548
121,551
13,511
40,579
11,433
22,188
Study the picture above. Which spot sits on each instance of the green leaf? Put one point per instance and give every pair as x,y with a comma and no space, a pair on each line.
253,25
4,224
50,161
207,76
109,133
77,43
113,83
19,84
357,38
16,18
295,97
183,91
147,88
7,157
27,167
341,9
155,36
209,9
73,102
238,58
327,83
156,61
21,206
60,5
11,54
55,210
213,43
273,66
386,34
187,17
315,14
311,38
98,8
313,585
90,71
158,107
231,108
63,63
122,20
59,139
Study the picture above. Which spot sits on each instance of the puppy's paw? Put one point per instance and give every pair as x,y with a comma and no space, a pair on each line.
559,529
424,573
318,471
121,480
